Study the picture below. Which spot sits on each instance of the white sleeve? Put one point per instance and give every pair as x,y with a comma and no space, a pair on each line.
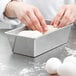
69,1
4,19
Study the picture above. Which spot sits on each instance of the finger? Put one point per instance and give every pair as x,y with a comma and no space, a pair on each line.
52,22
66,18
26,24
41,20
59,16
35,21
29,23
62,24
72,19
23,21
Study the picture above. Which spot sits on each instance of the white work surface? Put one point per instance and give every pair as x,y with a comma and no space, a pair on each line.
18,65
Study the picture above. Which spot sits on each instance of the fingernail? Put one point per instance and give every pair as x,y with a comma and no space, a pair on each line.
41,31
55,26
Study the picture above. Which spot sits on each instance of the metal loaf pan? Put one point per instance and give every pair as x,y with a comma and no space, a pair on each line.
37,46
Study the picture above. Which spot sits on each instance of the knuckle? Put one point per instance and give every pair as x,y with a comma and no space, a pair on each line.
66,17
29,24
34,21
41,18
27,12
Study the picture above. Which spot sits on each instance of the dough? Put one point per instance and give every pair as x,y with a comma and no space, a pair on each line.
35,34
50,29
30,34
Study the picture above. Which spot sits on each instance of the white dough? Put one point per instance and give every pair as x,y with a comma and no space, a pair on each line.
35,34
30,34
67,69
71,59
51,29
52,65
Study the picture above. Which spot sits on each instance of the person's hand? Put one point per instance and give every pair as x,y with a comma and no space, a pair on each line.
30,16
65,16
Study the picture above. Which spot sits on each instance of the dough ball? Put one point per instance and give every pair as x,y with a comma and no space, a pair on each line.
67,69
52,65
71,59
51,29
30,34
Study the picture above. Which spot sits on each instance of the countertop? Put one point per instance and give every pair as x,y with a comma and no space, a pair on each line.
18,65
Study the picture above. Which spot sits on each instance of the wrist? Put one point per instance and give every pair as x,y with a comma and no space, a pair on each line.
10,9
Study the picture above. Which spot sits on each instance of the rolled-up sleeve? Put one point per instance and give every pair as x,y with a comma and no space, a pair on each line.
4,19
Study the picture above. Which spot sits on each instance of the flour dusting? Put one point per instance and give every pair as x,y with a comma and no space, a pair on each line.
70,51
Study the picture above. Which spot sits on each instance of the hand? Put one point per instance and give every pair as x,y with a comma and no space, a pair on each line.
30,16
65,16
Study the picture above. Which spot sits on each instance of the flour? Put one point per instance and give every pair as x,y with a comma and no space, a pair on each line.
70,51
33,70
50,29
7,70
30,34
36,34
24,72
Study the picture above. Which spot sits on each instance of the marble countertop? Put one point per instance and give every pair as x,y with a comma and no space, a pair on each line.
18,65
